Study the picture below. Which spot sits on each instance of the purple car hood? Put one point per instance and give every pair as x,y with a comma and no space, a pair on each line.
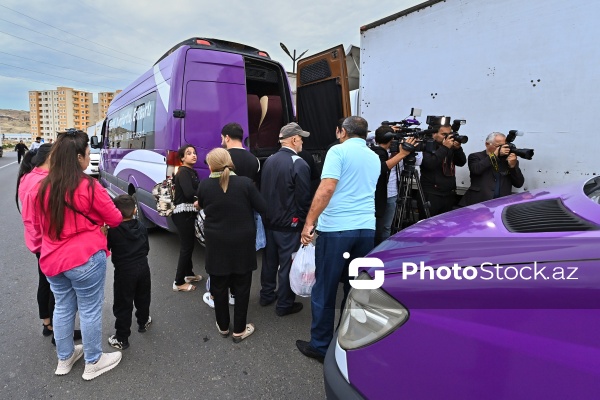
476,234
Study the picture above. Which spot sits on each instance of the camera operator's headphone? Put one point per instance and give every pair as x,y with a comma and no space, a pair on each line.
384,134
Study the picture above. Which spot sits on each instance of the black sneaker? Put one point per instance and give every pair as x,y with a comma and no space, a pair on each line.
295,308
118,344
309,351
46,331
144,328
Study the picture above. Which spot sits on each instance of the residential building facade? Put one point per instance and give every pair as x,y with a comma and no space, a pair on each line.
104,99
53,111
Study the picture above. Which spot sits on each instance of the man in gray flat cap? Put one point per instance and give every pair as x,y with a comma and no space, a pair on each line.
285,185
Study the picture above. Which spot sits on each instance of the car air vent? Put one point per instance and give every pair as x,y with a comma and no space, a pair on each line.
543,216
315,72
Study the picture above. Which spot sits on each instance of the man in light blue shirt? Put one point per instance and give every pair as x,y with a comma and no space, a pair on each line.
345,207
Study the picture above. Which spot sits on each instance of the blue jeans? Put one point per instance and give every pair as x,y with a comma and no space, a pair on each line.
80,288
331,269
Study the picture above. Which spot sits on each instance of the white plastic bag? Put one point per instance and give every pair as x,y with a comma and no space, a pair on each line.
302,273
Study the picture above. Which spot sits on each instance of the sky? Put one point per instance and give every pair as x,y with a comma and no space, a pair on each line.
104,45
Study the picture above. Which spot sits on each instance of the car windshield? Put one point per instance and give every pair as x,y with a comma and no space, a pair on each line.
592,189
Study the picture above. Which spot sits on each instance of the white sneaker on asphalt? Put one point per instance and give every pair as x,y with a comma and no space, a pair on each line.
106,362
208,300
64,366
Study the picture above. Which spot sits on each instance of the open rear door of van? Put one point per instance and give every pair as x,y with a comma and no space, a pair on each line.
322,96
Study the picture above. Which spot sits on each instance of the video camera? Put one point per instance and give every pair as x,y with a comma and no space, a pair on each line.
407,128
523,153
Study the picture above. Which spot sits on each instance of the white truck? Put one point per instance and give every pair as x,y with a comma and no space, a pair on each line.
501,65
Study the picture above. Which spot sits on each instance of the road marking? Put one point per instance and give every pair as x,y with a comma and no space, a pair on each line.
14,162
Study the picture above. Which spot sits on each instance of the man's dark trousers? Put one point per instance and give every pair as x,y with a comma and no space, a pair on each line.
278,252
331,269
131,287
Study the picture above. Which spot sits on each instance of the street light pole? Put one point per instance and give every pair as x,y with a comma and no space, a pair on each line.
294,58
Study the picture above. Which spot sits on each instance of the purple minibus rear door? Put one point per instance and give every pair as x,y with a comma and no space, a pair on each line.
214,94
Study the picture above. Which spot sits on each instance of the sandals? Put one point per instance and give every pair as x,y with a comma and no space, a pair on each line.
222,333
188,288
249,331
193,278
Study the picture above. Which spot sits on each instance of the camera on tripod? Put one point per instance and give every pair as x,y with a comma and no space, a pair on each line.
404,129
523,153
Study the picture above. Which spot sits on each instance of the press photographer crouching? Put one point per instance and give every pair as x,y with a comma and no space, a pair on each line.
386,191
493,171
438,167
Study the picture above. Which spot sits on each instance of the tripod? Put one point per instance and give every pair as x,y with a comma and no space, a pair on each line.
404,215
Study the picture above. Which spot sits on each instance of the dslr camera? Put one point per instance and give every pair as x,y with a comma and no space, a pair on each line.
437,121
523,153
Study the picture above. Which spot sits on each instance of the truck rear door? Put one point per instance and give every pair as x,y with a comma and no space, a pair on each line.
322,96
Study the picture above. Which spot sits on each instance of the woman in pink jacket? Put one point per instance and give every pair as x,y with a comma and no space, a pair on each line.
70,209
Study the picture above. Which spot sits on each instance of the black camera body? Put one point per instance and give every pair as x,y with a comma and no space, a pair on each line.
462,139
441,120
522,153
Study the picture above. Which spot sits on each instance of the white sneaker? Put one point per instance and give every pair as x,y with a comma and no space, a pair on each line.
231,300
208,300
106,362
64,366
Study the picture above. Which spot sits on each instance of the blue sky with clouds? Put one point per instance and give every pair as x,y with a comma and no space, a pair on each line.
103,45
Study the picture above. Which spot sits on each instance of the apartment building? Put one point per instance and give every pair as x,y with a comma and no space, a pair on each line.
53,111
104,99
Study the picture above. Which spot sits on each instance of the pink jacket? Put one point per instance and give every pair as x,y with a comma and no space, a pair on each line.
80,238
27,194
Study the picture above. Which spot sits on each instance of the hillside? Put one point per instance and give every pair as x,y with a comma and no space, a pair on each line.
14,121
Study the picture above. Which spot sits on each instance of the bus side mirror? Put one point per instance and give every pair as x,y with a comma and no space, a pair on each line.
94,143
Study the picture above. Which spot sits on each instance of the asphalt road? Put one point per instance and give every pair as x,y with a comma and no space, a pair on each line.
180,357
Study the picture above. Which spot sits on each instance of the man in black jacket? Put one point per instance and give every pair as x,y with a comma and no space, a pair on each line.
20,148
437,171
494,171
285,185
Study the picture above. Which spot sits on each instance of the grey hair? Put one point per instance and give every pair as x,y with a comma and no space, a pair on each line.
490,138
356,126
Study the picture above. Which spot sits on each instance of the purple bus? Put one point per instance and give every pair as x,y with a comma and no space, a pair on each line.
196,88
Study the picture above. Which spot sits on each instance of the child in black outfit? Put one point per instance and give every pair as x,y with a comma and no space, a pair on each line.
129,246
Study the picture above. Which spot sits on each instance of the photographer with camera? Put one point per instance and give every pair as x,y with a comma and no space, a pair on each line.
438,167
493,171
386,191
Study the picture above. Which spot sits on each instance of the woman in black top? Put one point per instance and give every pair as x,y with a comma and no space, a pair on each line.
184,215
229,202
